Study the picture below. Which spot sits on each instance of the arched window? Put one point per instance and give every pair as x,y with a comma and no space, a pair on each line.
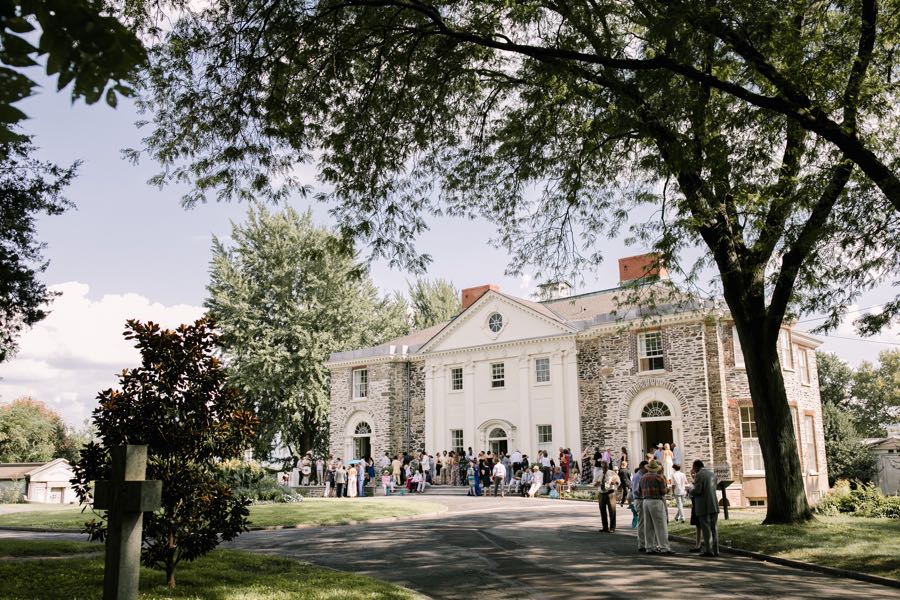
363,429
655,409
497,434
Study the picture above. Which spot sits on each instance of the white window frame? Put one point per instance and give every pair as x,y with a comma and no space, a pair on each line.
498,383
538,372
544,432
736,348
785,350
453,379
803,364
643,354
809,445
360,385
456,435
750,448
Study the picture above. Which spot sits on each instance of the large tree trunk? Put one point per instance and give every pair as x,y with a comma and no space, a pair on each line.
786,501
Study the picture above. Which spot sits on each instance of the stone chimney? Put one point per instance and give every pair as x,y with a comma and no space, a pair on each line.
642,266
472,294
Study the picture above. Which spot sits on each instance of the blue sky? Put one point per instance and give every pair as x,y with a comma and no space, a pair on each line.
130,250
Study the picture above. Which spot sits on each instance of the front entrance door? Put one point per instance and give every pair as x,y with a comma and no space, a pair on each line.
498,441
656,432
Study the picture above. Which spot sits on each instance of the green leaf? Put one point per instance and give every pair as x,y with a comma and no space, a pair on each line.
111,97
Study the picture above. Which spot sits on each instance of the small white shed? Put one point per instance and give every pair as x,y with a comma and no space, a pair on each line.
45,483
887,460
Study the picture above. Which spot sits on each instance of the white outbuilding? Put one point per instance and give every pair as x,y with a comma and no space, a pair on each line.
44,483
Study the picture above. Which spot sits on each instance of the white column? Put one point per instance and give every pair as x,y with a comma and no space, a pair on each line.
439,431
525,439
571,401
429,408
558,382
469,435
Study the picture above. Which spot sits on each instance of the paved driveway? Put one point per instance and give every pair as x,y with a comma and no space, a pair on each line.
520,548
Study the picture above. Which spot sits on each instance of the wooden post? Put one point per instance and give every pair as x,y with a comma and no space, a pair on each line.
126,497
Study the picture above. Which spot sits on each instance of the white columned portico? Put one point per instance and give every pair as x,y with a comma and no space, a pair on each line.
523,443
469,434
439,432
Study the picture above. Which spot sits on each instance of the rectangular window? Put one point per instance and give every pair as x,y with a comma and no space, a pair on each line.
809,444
803,365
753,460
757,501
784,349
542,370
456,440
545,437
497,377
650,351
360,383
738,351
456,379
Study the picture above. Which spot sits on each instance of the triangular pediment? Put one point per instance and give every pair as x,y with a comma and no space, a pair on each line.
496,319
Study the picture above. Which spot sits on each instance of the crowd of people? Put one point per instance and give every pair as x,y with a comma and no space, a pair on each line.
645,490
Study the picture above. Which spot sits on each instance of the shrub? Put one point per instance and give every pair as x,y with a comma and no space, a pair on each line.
252,481
864,501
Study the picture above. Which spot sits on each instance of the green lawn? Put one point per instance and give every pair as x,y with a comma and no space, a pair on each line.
222,575
23,548
853,543
316,511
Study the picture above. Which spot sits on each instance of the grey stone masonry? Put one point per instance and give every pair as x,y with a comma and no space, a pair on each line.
383,408
609,379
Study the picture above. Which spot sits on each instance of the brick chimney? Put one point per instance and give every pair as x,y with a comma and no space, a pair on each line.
472,294
640,267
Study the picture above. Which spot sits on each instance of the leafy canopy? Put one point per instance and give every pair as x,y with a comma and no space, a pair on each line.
555,121
28,189
81,43
433,301
176,402
286,294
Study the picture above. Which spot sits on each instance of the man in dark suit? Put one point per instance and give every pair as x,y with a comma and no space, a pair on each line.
706,507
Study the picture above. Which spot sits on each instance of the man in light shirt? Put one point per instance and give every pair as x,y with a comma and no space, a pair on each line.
499,475
516,460
679,490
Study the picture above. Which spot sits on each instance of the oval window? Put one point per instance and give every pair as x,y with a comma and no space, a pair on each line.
495,322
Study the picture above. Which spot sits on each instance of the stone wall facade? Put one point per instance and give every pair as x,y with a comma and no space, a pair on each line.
384,408
609,380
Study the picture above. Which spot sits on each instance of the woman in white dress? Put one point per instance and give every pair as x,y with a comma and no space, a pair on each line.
351,482
668,460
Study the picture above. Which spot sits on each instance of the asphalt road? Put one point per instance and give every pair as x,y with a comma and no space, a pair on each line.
521,548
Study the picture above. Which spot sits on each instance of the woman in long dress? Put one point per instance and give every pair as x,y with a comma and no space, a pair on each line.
668,459
351,482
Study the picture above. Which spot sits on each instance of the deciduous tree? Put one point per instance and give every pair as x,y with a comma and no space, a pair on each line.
433,301
28,189
29,431
876,394
286,294
558,122
176,402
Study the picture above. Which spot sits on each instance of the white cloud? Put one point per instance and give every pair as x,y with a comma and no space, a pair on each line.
79,350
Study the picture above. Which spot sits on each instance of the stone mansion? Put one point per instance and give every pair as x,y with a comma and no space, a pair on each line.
508,373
